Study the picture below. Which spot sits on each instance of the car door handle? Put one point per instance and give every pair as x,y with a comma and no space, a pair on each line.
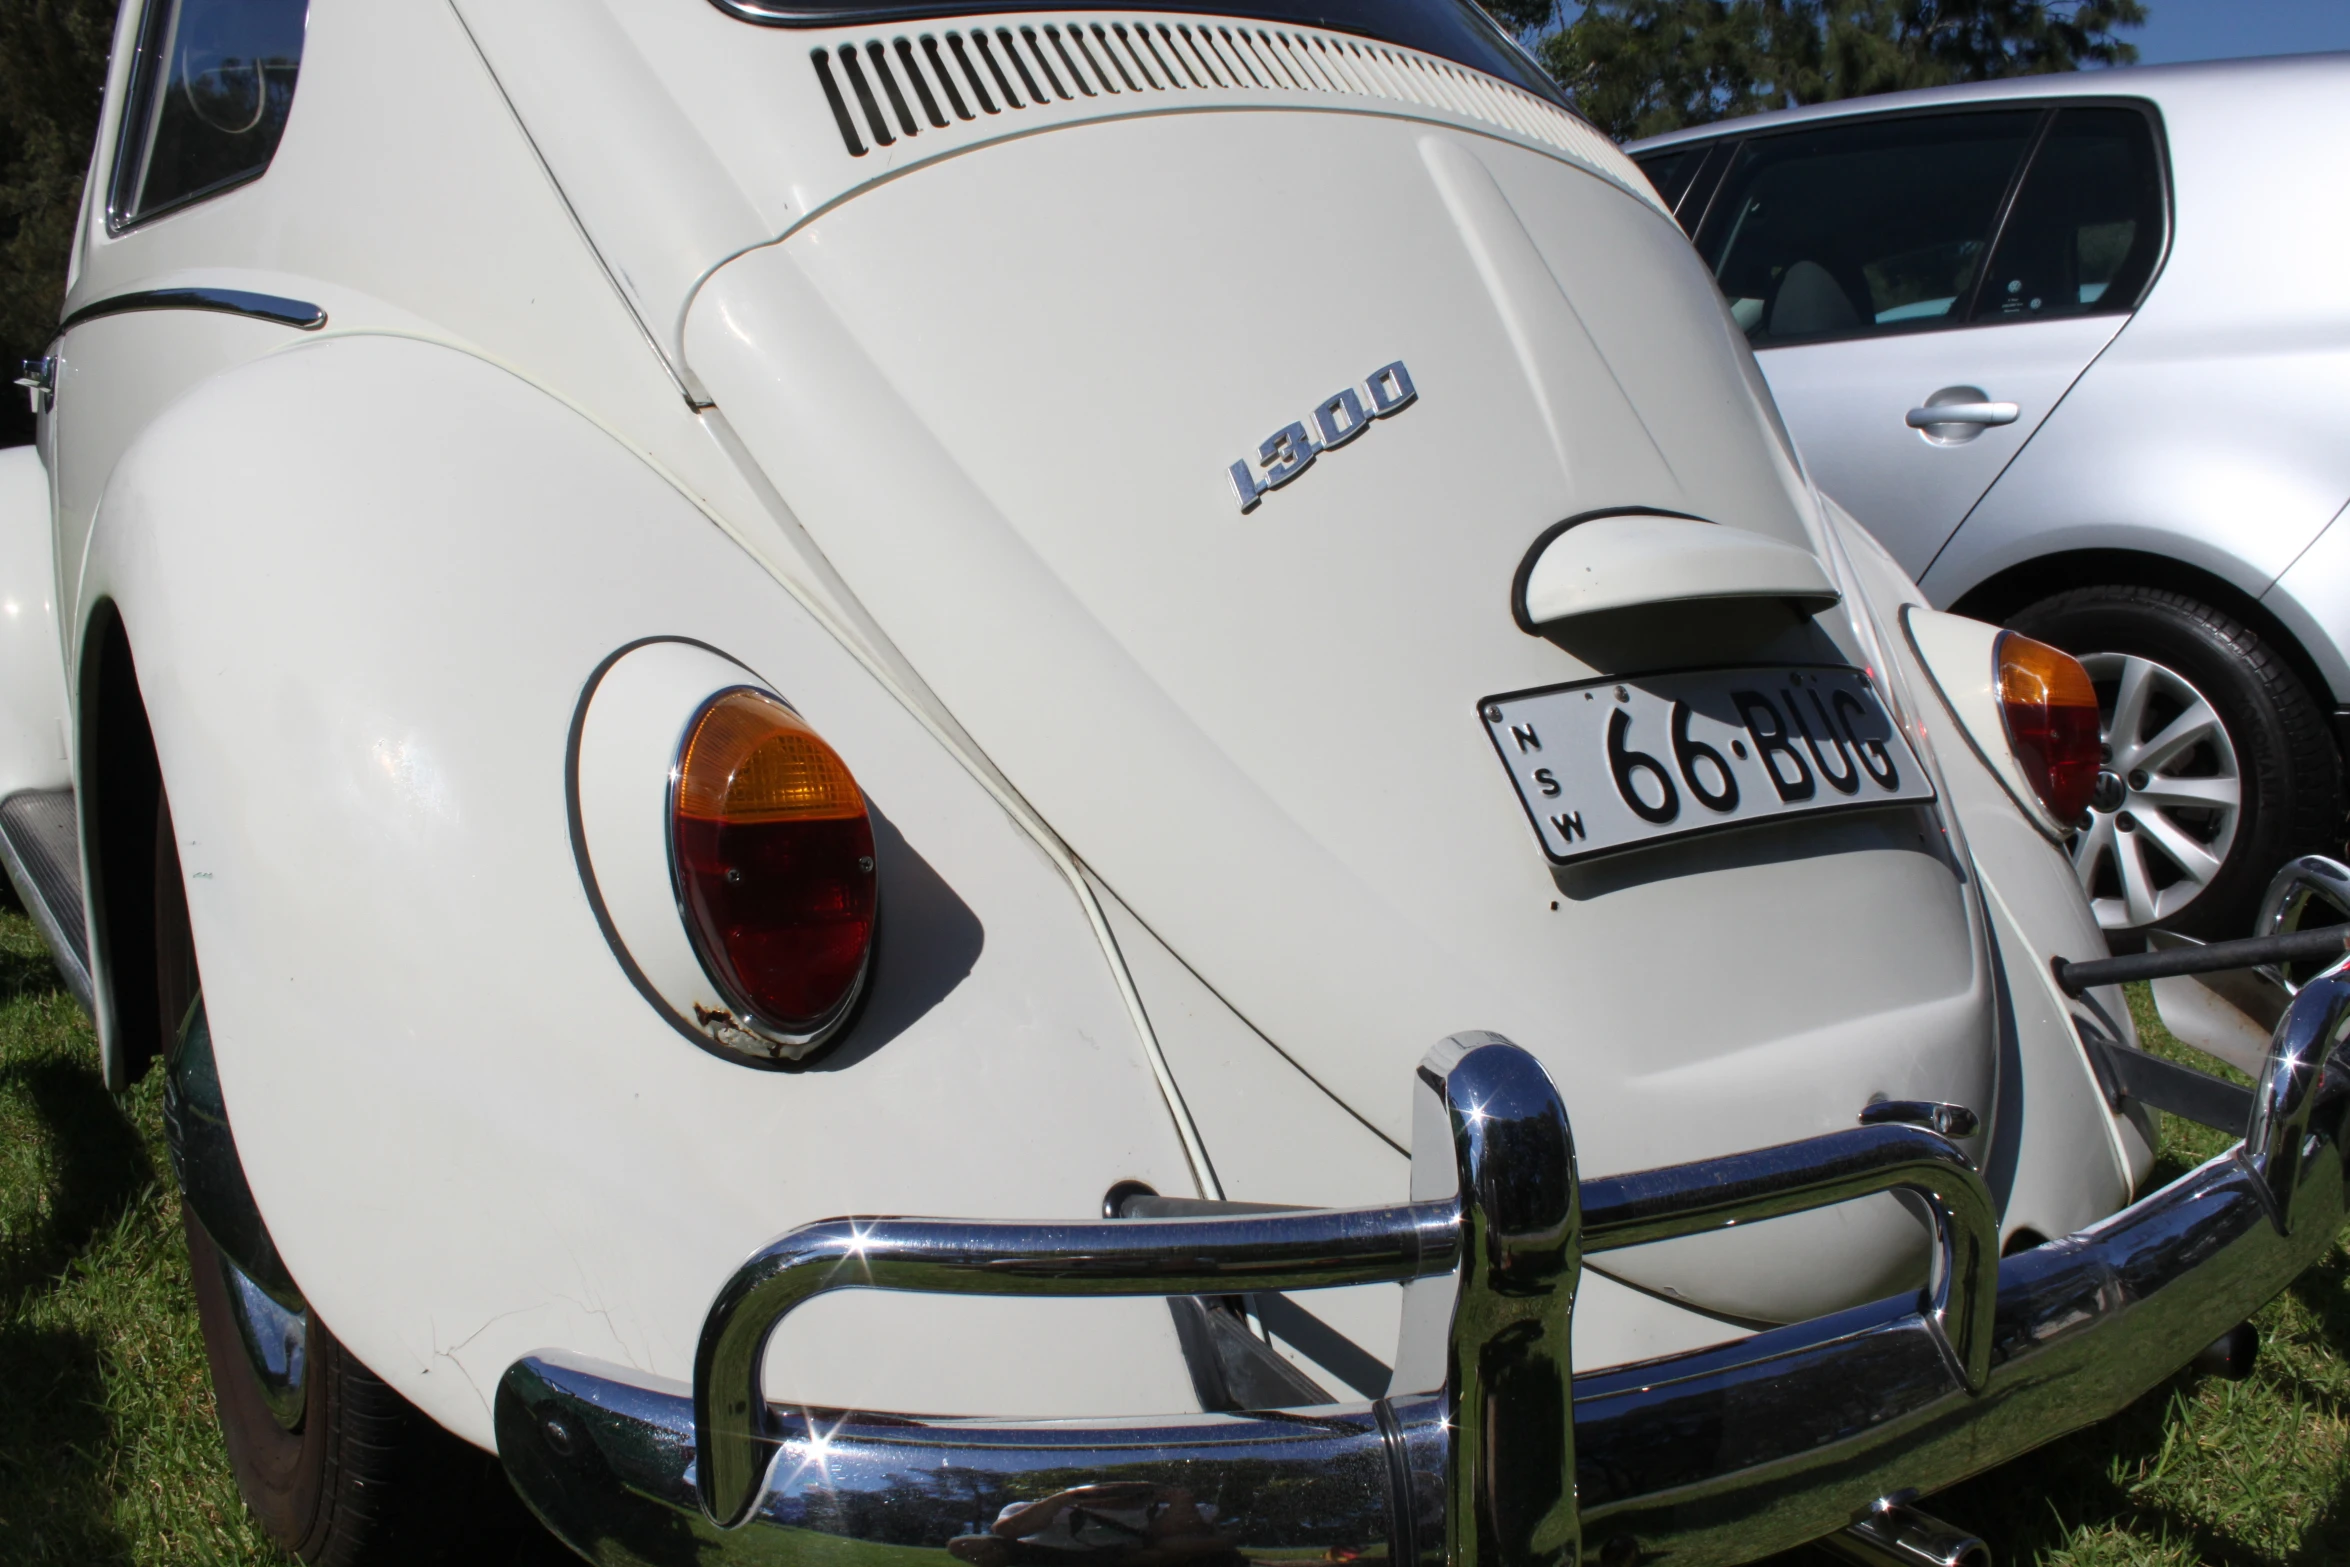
1963,413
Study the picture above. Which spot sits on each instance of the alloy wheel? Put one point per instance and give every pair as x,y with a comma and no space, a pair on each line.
2168,801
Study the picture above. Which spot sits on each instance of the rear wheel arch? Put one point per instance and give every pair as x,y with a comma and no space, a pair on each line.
121,784
2001,595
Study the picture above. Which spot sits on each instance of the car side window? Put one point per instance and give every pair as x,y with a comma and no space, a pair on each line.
1671,170
1857,228
2086,229
210,89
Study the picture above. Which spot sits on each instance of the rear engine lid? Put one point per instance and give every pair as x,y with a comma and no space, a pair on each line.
1007,394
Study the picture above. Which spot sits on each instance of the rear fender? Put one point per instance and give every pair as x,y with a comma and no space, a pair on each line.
367,580
2061,1158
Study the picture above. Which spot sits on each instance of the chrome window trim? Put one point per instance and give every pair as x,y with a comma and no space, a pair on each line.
133,140
130,140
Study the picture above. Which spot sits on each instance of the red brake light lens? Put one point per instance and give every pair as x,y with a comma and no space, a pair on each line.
2051,713
773,851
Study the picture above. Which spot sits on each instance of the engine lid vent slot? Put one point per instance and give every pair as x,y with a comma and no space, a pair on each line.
898,88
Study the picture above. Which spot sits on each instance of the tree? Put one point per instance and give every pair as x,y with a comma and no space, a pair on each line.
1641,67
1635,67
52,71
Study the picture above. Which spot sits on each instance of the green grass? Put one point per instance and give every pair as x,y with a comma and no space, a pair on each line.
108,1452
2200,1469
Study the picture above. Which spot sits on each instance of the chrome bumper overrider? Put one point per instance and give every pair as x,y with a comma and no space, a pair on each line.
1720,1455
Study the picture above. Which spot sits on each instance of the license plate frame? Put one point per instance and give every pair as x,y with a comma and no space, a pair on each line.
1571,766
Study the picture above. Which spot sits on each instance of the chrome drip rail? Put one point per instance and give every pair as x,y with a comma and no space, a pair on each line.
1719,1455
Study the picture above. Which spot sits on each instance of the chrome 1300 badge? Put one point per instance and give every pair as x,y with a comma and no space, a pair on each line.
1291,450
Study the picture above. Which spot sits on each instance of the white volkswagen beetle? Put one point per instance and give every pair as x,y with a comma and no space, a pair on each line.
1170,637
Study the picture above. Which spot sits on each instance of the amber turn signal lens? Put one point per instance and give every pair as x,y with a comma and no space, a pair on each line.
2051,713
773,852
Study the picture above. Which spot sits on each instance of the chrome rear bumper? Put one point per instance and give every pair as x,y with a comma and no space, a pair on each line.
1721,1455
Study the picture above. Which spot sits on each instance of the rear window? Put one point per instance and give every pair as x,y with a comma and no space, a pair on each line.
1456,30
210,89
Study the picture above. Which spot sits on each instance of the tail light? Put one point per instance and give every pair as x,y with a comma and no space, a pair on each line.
772,850
2051,714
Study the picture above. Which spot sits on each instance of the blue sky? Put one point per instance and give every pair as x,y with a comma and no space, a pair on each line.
2222,29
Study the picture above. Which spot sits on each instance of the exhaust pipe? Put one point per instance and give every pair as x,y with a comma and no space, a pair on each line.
1898,1535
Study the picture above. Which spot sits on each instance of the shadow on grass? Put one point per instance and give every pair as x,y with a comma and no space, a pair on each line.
2029,1508
101,1169
2324,1291
58,1485
56,1491
28,974
2035,1506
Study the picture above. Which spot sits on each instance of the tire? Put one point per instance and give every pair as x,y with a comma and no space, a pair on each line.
2163,844
363,1477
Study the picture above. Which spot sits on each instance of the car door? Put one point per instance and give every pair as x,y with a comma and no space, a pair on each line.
1971,263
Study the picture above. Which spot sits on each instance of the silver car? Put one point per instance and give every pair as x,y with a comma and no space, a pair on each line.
2077,349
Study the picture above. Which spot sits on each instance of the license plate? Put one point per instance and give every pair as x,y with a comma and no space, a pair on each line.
1612,764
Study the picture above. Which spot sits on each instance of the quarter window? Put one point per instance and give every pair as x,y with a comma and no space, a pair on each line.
1855,229
2086,229
210,89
